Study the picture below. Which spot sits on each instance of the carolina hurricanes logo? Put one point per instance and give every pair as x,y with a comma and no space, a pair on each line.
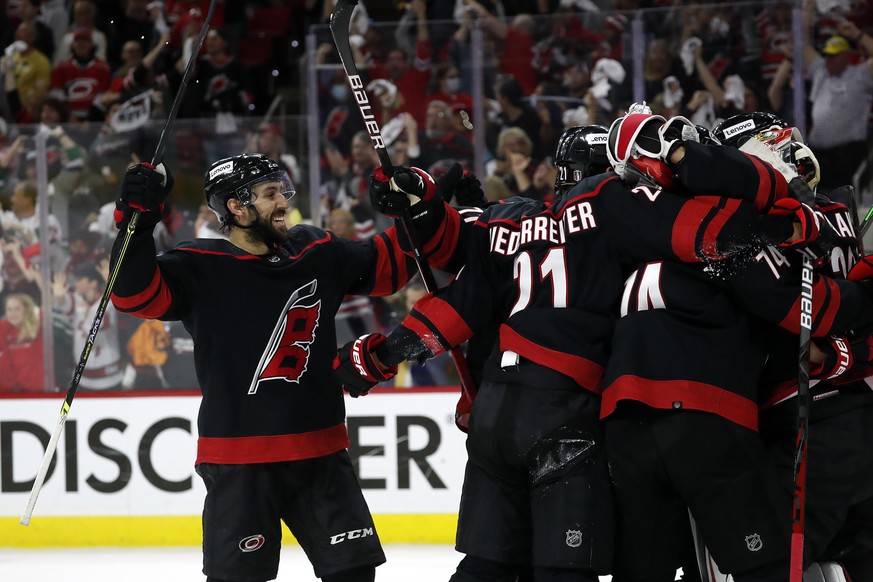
287,352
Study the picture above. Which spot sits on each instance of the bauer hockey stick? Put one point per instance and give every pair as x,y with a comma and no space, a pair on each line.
339,28
798,510
104,300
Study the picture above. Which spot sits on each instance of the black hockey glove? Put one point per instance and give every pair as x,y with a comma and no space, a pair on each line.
469,192
407,188
144,189
356,367
846,358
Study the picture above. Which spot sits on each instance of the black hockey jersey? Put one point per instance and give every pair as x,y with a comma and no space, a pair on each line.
554,275
688,337
263,330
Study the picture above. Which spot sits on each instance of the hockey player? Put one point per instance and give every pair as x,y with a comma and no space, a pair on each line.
682,435
536,488
260,307
839,492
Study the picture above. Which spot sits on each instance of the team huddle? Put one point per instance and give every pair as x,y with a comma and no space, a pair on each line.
634,343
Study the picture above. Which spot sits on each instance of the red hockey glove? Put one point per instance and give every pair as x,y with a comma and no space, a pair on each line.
356,367
847,358
863,269
144,189
817,234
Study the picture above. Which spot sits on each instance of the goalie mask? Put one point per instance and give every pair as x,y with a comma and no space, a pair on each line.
734,131
581,152
633,147
236,176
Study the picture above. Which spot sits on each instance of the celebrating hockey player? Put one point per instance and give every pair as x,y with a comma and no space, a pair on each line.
260,308
536,489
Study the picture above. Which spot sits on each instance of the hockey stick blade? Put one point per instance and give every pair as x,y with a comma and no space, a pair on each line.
107,293
340,20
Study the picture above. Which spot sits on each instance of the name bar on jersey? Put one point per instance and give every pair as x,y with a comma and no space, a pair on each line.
505,240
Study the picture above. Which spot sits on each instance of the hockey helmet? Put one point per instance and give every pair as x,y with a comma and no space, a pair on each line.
633,148
581,152
236,176
706,136
734,131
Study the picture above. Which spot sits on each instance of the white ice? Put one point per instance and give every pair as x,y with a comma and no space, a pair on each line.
422,563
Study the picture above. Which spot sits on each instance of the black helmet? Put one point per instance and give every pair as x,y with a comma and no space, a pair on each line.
734,131
706,136
581,152
235,176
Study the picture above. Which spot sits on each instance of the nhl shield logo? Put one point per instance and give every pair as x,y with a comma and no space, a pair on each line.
574,538
754,543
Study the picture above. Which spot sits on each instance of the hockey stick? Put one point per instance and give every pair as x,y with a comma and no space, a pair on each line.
802,192
104,300
339,29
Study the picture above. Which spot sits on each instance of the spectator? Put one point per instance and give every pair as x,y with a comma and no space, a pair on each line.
29,13
513,157
55,15
411,78
15,274
724,99
111,153
448,90
105,368
518,43
355,315
269,140
22,217
439,141
9,156
841,95
774,32
81,79
28,74
21,362
435,371
84,15
516,112
133,24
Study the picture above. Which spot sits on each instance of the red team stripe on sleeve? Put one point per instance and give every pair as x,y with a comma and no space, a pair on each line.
442,246
586,373
444,319
390,274
764,195
680,394
425,334
825,305
686,229
152,302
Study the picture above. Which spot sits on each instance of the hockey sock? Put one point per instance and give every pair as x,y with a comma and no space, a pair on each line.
473,569
360,574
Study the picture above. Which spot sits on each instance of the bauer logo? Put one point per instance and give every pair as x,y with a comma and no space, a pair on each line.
741,127
574,538
225,168
252,543
754,543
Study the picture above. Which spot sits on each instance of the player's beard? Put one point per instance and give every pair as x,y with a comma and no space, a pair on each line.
266,231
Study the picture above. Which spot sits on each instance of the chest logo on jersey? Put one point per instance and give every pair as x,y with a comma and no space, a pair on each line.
287,353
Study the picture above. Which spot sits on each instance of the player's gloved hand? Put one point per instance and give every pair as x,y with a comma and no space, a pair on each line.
846,358
144,189
405,189
673,134
469,192
813,226
357,367
862,270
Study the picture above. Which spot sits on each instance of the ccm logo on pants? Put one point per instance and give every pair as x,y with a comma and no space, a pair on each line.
350,535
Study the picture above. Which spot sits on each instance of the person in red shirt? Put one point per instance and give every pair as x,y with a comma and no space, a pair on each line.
21,362
81,79
448,90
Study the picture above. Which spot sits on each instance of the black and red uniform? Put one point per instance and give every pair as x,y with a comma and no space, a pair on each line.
553,277
839,482
681,392
264,343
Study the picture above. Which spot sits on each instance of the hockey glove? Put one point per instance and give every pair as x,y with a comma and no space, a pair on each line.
846,358
816,233
406,188
144,189
673,134
469,192
357,368
862,270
